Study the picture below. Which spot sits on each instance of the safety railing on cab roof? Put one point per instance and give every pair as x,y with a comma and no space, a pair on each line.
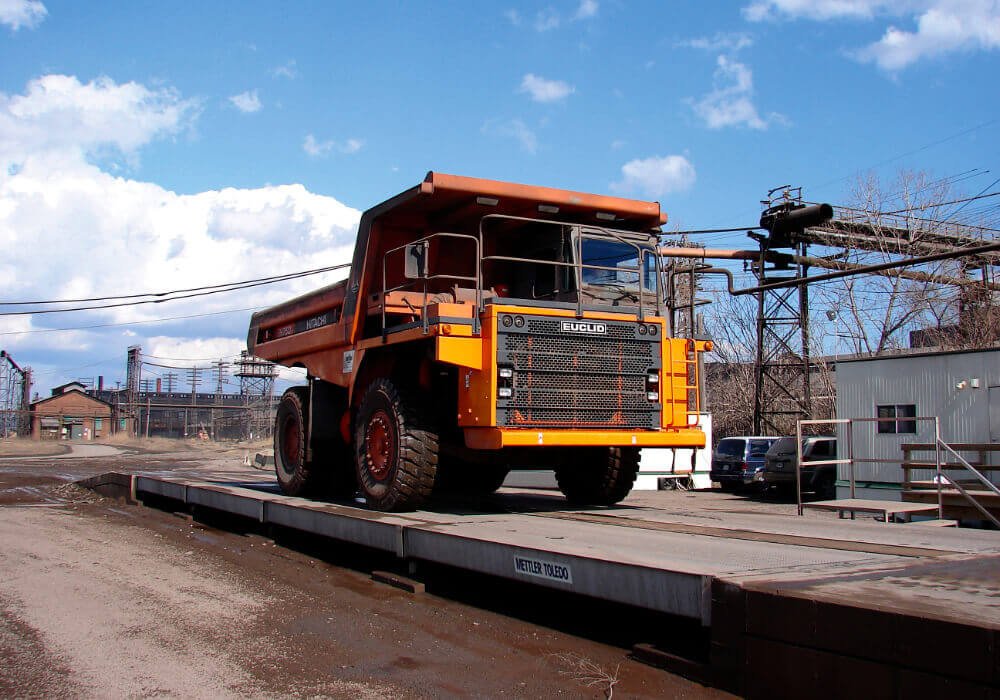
578,265
416,268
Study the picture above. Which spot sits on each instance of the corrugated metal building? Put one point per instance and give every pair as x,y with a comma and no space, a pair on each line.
962,388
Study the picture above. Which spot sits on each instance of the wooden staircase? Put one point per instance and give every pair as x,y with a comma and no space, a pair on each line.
919,472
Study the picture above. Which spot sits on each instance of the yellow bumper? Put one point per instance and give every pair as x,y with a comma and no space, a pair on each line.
496,438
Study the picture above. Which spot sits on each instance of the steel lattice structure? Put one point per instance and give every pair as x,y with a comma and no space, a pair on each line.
15,397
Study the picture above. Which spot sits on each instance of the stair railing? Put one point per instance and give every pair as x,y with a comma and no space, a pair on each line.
941,476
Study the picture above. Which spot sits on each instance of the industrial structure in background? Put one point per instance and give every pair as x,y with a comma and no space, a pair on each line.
15,397
783,370
160,407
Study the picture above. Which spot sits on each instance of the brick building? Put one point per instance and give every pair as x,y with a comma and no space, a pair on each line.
70,414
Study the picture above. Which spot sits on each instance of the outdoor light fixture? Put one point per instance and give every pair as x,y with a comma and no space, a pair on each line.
487,201
548,208
604,216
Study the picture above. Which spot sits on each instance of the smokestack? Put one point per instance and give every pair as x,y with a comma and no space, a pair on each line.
100,382
159,385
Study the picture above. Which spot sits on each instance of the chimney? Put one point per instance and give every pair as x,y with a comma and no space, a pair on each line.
100,382
159,385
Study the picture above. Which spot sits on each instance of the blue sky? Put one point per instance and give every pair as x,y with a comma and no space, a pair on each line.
152,146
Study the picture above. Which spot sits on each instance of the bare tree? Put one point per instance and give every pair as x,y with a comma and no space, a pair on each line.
729,371
943,302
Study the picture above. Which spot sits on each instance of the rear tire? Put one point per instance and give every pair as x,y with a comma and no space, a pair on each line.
395,449
601,477
296,476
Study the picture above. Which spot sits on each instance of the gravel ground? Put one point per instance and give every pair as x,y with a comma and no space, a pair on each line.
99,599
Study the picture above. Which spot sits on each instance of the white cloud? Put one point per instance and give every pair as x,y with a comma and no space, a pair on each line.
320,149
944,28
287,70
656,176
198,349
22,13
58,114
722,41
941,26
730,102
105,235
247,102
546,20
543,90
769,10
586,10
515,129
513,16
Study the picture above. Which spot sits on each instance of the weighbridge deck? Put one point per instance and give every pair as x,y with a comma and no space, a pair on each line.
794,604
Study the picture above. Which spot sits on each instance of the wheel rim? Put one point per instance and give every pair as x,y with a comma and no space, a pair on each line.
380,441
290,442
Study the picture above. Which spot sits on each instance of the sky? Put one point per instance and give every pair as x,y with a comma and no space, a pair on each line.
149,147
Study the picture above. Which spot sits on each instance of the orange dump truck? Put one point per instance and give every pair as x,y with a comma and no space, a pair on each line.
484,326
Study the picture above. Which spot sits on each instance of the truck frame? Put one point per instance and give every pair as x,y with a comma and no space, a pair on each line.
484,326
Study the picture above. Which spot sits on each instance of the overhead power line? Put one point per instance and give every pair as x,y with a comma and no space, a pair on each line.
977,127
275,278
217,289
130,323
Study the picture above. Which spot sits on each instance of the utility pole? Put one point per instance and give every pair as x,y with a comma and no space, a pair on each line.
194,379
132,377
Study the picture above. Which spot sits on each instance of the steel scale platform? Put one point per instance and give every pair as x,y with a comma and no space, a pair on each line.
852,602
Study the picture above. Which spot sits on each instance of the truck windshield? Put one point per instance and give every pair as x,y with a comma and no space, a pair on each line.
610,265
535,259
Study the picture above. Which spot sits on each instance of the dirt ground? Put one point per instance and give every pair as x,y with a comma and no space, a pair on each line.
100,599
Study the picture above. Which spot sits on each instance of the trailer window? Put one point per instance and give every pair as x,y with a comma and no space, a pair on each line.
903,415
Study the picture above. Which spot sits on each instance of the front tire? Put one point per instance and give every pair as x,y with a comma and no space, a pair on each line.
602,477
396,449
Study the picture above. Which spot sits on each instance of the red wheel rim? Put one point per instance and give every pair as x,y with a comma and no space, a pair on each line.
380,440
290,442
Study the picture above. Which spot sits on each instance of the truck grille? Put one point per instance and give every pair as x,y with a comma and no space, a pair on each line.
577,379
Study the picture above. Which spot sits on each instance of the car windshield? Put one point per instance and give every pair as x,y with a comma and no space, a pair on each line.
731,447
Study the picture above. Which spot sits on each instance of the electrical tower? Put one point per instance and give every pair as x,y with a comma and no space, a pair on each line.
15,397
257,390
782,390
220,373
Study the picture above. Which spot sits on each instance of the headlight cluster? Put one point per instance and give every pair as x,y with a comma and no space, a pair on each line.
505,381
648,329
653,385
507,321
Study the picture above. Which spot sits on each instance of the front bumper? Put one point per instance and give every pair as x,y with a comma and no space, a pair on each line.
742,478
497,438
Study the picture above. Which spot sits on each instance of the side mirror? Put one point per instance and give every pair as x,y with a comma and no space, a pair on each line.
415,267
